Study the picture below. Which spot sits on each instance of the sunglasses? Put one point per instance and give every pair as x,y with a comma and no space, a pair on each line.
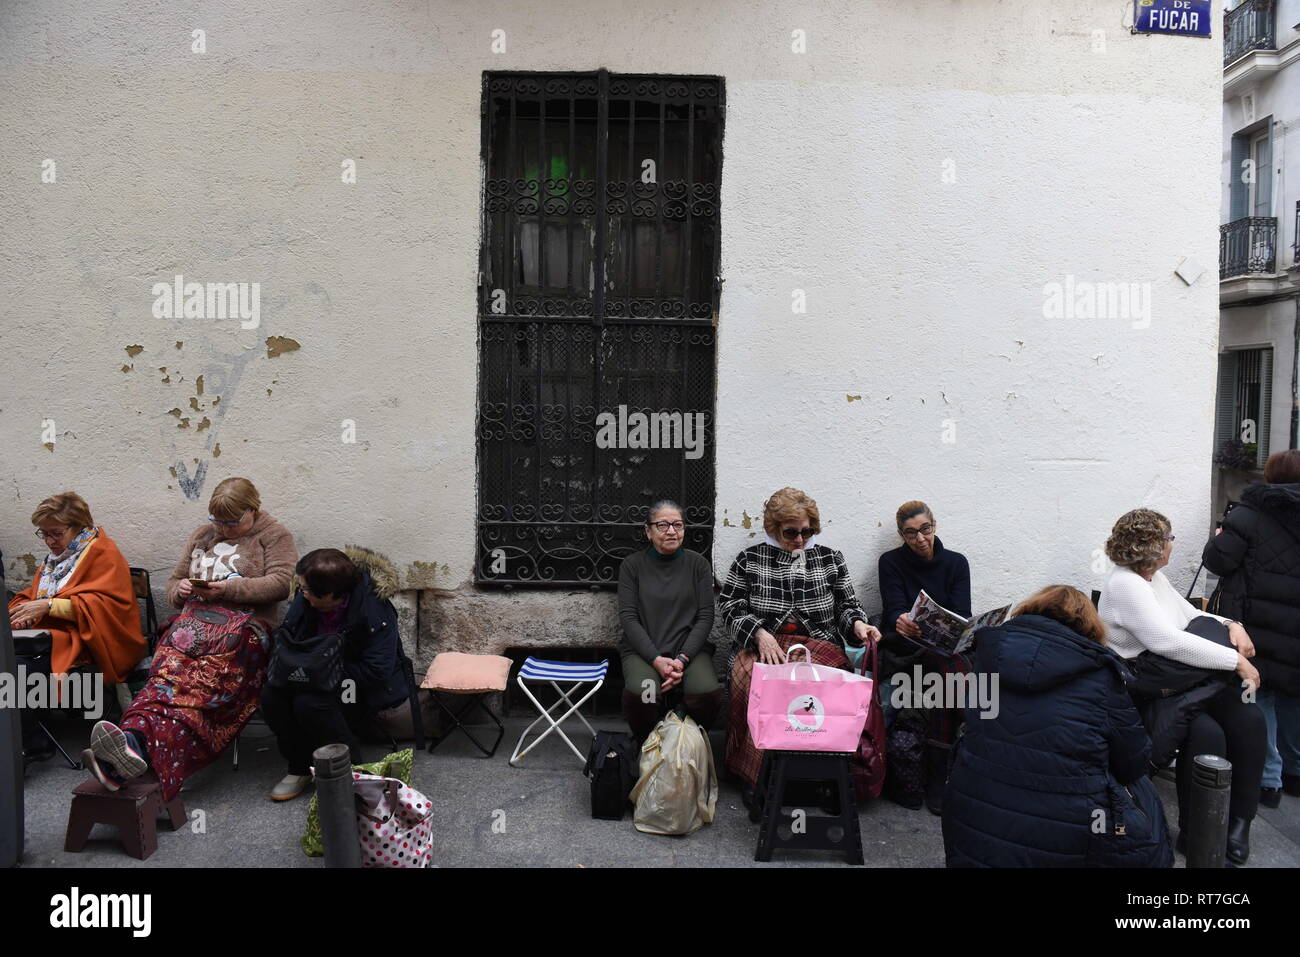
793,533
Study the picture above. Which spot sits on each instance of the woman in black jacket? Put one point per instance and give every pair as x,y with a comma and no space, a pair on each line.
922,562
1257,554
347,593
1056,774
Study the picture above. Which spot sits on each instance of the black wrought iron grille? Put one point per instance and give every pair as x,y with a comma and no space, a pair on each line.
598,294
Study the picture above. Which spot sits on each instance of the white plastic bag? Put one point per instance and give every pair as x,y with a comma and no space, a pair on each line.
677,792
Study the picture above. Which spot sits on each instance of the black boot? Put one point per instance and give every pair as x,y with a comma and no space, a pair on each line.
1291,784
1238,840
1270,797
936,777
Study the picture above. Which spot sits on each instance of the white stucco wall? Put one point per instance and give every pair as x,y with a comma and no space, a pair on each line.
1075,154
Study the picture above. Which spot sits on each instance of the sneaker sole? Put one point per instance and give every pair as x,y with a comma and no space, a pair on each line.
92,765
109,743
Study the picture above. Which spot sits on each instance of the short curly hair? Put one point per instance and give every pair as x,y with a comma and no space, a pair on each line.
1138,540
790,504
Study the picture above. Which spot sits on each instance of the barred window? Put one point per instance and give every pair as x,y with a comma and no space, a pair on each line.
598,298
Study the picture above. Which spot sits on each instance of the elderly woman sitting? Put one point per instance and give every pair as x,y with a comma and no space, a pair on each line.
81,595
1143,612
665,603
209,667
786,590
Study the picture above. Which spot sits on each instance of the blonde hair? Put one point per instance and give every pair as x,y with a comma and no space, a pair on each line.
790,504
66,508
231,498
1138,540
1070,607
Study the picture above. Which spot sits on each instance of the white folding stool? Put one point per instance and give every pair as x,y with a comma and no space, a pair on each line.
535,669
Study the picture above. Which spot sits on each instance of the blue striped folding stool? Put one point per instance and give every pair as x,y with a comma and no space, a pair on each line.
551,672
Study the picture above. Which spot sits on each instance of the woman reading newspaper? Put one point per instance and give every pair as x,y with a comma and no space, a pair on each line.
922,563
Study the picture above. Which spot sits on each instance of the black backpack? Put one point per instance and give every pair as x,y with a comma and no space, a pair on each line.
613,764
314,663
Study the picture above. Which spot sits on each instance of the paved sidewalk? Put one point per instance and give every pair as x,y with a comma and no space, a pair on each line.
544,806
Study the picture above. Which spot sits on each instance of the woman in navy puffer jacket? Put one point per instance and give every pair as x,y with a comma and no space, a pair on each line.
1056,774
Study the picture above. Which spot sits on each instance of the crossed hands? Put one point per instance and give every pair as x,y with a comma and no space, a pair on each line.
670,672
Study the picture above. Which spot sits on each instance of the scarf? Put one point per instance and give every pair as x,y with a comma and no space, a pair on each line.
58,568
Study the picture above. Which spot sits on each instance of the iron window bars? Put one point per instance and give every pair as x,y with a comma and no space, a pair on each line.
598,292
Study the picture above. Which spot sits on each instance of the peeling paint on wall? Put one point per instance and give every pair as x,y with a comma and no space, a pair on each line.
29,560
216,451
49,445
179,344
198,385
127,368
746,520
422,575
853,398
134,351
203,424
279,345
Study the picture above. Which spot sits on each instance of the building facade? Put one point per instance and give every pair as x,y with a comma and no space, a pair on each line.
1259,243
415,268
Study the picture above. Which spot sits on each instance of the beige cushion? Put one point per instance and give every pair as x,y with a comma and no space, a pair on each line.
466,674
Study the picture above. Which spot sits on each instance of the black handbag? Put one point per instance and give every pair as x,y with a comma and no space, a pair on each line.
613,764
313,664
1155,676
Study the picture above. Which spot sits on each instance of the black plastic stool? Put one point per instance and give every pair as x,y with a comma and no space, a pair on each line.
838,832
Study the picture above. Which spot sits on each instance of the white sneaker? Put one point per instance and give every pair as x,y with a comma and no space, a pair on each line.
290,786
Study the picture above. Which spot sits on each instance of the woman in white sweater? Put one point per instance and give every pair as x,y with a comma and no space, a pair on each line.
1143,612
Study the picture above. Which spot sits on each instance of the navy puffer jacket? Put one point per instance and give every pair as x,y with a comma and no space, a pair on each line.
1059,777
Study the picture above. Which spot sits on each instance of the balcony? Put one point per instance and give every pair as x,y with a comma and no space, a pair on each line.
1248,247
1249,27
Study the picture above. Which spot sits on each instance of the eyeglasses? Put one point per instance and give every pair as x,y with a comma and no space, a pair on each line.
926,529
664,526
217,521
47,536
793,533
1170,538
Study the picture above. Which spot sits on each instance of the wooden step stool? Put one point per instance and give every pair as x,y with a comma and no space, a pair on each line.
835,833
133,810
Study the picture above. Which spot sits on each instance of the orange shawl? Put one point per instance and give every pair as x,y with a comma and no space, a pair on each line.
105,628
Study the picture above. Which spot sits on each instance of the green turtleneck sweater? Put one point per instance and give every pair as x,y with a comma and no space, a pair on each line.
665,603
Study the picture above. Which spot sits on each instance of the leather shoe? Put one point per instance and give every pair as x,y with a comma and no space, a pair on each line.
1291,784
1238,840
1270,797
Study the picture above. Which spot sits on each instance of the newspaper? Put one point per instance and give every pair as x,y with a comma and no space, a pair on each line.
946,631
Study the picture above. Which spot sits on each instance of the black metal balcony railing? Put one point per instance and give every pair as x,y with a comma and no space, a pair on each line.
1248,246
1248,27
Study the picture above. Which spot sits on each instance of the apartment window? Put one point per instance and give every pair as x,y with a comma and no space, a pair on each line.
1243,408
598,299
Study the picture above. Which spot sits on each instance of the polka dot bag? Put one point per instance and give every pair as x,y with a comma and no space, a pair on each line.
392,822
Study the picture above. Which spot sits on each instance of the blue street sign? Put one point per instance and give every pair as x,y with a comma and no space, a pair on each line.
1186,18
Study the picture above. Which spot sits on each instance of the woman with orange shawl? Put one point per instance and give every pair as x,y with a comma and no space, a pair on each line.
82,596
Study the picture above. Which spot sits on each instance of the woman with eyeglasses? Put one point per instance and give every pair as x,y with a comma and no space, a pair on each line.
665,604
1144,612
784,591
922,563
210,664
81,594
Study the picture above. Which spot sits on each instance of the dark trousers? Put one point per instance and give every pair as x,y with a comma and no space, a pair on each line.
1232,729
304,720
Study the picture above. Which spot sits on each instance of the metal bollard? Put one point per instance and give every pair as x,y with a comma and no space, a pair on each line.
1207,836
338,815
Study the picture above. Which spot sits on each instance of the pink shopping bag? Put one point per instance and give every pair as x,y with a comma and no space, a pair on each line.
798,706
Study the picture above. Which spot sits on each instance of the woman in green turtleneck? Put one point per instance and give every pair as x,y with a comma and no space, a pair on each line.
665,603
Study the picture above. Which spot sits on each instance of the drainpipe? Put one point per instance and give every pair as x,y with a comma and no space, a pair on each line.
1295,377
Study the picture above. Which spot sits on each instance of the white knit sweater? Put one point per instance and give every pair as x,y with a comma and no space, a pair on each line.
1143,615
